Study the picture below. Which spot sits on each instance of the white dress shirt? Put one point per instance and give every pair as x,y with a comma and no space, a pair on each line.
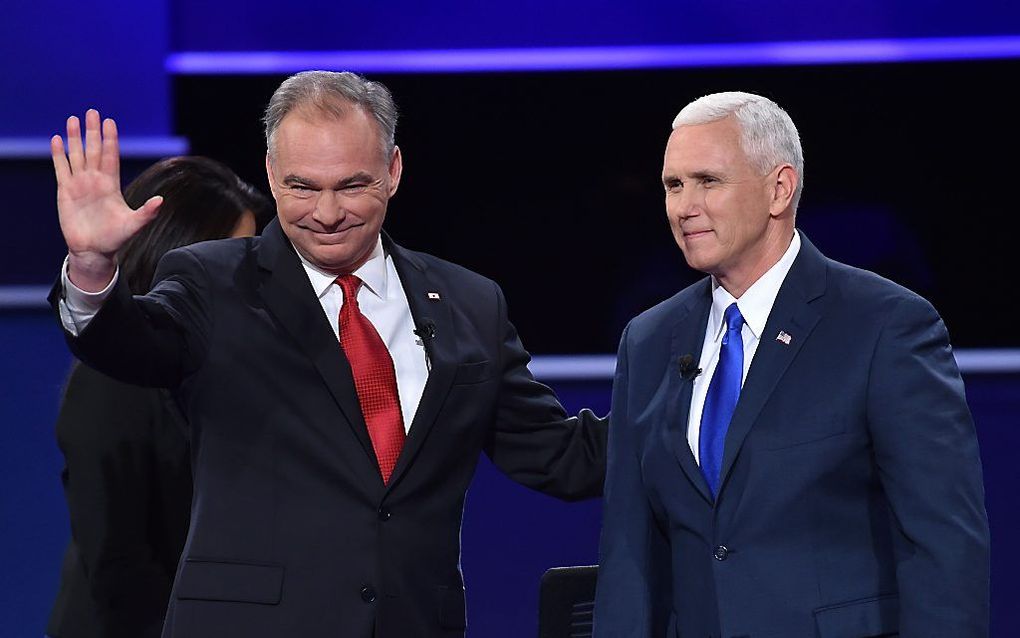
755,305
77,307
381,299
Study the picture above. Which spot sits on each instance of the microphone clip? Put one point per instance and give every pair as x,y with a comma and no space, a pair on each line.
688,368
426,332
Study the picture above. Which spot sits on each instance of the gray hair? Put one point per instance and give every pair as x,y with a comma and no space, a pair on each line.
332,93
767,134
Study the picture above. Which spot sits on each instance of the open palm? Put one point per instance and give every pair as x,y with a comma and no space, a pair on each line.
94,218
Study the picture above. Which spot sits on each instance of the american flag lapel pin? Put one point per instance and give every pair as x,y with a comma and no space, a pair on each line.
434,296
783,338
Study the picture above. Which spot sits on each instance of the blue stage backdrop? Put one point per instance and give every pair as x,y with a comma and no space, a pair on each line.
59,57
240,25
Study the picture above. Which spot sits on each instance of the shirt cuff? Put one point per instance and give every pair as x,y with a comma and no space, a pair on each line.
77,307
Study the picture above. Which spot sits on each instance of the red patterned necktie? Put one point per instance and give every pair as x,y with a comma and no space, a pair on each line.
374,378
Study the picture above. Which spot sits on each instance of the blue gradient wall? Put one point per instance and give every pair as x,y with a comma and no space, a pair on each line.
59,57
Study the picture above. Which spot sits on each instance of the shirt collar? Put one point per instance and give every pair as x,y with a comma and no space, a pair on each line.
756,302
372,273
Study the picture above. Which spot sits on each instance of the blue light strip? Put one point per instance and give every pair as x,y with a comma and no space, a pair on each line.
988,360
573,367
23,297
594,367
599,58
130,146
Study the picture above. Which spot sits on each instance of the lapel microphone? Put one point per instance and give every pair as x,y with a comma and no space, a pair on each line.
427,331
688,368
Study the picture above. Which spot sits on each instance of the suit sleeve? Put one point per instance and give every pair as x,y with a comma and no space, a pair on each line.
927,455
155,339
634,583
533,441
103,430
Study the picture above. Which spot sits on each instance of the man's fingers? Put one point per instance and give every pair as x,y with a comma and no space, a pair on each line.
111,150
75,156
149,209
60,166
93,141
145,213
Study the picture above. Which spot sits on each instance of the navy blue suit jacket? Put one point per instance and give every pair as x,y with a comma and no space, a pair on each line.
851,501
293,532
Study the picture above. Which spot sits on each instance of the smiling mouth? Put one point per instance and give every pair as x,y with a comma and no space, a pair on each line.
333,233
695,234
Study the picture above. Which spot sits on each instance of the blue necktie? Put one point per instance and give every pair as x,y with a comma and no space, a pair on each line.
721,400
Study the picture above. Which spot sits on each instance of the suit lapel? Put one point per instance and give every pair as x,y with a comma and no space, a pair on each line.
289,296
793,315
429,301
688,338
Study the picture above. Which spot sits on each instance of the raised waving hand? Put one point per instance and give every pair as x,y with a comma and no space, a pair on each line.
94,218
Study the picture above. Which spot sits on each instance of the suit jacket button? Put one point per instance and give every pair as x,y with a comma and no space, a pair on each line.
384,513
368,594
721,553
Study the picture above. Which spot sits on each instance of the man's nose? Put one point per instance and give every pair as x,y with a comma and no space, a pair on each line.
687,203
329,208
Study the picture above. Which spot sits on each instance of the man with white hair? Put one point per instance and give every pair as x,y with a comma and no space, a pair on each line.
791,453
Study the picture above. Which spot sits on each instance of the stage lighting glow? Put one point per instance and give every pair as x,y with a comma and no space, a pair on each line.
600,58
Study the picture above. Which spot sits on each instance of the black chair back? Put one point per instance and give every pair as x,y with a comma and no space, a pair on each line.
567,602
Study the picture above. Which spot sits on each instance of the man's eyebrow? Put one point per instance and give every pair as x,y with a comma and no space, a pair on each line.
361,177
297,180
705,173
672,178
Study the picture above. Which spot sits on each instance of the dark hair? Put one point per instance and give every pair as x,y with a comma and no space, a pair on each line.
202,199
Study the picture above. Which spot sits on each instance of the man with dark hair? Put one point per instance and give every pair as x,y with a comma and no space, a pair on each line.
338,387
791,453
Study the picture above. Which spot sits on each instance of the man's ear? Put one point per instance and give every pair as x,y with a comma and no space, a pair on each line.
396,169
783,186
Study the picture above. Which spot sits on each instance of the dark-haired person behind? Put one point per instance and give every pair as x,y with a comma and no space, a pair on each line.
127,474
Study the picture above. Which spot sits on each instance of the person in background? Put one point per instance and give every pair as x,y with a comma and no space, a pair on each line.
127,475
